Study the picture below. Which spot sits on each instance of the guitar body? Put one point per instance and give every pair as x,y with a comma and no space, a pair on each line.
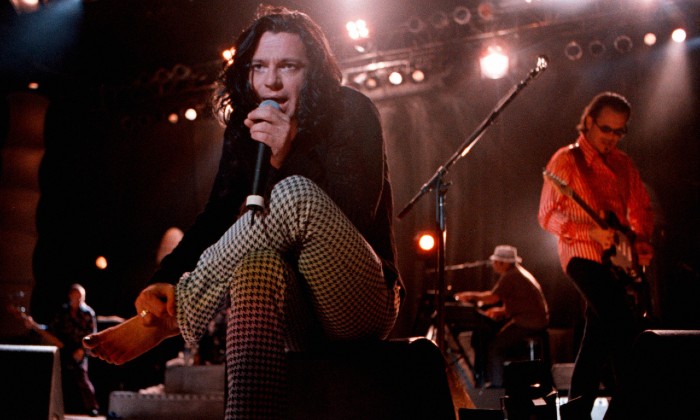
622,255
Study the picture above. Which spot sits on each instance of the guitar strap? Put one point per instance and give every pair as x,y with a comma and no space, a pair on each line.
588,177
585,171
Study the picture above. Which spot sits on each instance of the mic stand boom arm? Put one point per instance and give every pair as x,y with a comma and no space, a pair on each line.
436,183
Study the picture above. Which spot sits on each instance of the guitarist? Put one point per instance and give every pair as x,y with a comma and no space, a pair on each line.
606,179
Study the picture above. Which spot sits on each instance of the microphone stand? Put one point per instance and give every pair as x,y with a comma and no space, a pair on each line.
436,183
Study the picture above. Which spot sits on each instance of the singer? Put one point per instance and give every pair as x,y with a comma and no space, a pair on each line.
318,265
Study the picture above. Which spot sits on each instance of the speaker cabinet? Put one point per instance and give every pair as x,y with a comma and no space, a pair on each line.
31,382
666,368
389,380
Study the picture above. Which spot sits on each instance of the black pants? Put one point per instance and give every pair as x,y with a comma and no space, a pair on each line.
78,391
610,330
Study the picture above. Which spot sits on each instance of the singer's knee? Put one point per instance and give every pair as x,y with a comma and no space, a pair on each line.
263,272
296,189
296,184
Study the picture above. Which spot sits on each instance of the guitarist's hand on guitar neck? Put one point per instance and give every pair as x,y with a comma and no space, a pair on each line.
605,237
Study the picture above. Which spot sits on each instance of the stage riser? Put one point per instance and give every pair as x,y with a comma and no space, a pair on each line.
135,406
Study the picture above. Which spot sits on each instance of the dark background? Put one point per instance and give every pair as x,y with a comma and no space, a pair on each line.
115,174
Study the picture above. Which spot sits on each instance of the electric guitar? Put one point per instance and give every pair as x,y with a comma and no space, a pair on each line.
622,255
33,325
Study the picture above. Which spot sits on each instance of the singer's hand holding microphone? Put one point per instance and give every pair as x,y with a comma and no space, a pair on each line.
270,126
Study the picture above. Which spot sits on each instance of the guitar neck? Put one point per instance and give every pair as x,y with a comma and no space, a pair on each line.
596,218
47,336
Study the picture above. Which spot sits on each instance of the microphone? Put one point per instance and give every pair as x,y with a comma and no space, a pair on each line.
255,201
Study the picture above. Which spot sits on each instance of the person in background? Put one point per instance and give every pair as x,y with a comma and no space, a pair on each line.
70,324
519,308
606,180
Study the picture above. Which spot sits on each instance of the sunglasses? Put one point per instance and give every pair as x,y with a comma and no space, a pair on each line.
607,129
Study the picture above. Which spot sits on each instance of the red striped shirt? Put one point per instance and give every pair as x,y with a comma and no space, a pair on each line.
611,185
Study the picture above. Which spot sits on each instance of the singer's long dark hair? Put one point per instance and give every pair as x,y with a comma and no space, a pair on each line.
319,93
323,78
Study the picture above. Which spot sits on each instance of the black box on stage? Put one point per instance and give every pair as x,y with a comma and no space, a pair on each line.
666,367
31,382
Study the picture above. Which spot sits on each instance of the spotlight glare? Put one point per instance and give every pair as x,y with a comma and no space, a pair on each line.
371,82
25,6
395,78
426,242
678,35
191,114
650,39
359,78
228,54
33,86
357,29
101,262
173,118
417,75
494,63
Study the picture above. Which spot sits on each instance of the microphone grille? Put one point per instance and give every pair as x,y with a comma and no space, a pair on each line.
269,102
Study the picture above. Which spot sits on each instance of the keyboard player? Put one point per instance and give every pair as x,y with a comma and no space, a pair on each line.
518,307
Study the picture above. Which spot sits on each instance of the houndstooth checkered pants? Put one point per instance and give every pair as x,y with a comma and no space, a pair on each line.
295,276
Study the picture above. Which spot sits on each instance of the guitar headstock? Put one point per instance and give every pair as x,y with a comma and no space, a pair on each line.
559,183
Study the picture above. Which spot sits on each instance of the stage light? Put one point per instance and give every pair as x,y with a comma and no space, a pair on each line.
494,63
426,242
25,6
371,82
173,118
485,11
573,51
228,55
418,76
439,20
357,29
359,33
395,78
361,47
650,39
678,35
623,44
461,15
596,48
415,25
101,262
33,86
359,78
191,114
181,72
